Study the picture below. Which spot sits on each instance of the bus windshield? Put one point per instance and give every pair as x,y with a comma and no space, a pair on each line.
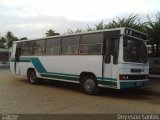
134,50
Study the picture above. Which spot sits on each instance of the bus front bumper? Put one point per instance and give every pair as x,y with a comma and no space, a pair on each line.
133,84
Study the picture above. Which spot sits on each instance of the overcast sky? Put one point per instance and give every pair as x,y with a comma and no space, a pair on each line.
32,18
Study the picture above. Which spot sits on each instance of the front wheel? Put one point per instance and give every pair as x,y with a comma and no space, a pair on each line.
32,77
89,85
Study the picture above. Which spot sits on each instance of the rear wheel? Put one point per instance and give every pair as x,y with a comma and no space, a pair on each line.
89,85
32,77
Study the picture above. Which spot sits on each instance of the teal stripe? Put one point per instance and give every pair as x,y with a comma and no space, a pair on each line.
60,77
37,64
124,85
108,83
63,74
21,60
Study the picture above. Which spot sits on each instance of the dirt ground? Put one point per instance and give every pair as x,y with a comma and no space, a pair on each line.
52,97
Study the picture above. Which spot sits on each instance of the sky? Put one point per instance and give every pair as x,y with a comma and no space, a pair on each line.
32,18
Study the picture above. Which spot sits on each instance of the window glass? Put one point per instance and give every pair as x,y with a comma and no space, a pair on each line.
19,45
91,44
27,44
92,38
39,43
70,50
26,51
70,45
130,50
91,49
38,47
55,50
37,51
134,50
53,46
53,42
27,48
71,40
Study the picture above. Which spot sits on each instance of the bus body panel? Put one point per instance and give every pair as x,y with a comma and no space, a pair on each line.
62,67
117,75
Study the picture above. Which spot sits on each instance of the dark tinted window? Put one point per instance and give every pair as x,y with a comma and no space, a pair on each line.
111,49
27,44
70,45
38,47
73,40
134,50
27,48
91,44
19,45
53,42
39,43
92,38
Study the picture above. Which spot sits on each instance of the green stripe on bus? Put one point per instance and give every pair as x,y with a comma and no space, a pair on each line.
60,77
21,60
108,83
37,64
124,85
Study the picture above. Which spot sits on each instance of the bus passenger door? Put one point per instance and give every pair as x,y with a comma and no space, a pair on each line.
107,63
17,58
110,61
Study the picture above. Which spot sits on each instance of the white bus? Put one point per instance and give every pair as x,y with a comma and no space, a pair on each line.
113,58
4,58
154,62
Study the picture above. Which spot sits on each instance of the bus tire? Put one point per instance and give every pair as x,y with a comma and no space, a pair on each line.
32,77
89,85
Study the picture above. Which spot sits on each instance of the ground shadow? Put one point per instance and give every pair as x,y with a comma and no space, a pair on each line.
140,94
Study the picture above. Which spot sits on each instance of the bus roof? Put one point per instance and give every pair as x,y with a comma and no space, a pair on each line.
88,32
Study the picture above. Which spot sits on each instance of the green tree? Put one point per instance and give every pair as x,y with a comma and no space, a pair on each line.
100,26
10,38
78,30
51,32
24,38
153,32
132,21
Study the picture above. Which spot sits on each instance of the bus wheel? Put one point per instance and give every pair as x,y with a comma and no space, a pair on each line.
89,85
32,77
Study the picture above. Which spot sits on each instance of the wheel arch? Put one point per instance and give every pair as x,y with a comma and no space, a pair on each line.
29,69
86,73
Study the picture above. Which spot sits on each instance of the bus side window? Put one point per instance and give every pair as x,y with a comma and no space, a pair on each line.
70,45
38,47
53,46
27,48
91,44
